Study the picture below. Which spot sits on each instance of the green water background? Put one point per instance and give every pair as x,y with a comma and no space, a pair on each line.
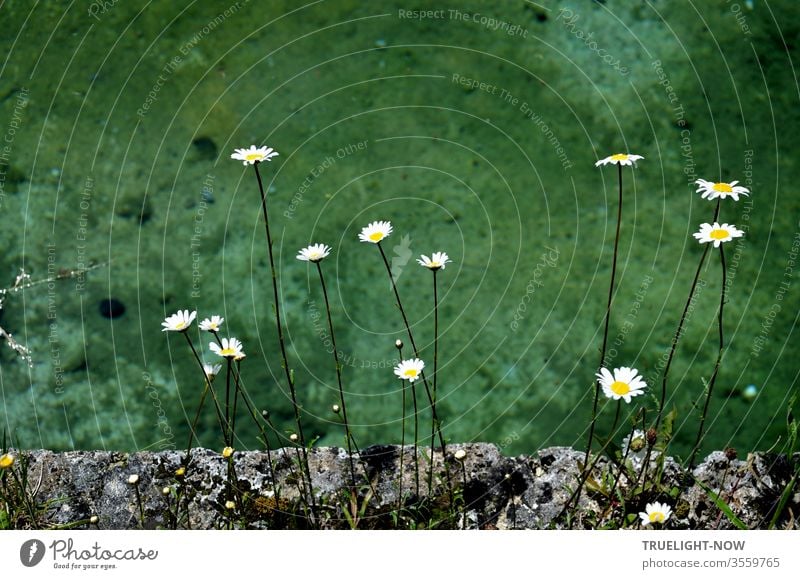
119,120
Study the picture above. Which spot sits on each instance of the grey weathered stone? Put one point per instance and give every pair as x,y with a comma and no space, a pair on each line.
525,492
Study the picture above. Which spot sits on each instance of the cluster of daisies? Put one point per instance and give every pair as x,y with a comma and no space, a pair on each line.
376,232
715,233
625,383
231,348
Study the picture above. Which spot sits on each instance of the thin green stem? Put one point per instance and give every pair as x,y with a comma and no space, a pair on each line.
676,338
193,426
348,434
713,378
679,331
416,439
228,439
236,391
402,451
279,326
435,371
607,318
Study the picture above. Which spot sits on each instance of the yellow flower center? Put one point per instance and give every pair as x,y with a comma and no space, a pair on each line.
180,325
619,157
227,352
657,517
377,236
410,373
6,460
719,234
722,188
620,388
254,156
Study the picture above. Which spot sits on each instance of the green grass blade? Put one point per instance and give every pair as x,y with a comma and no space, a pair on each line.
723,506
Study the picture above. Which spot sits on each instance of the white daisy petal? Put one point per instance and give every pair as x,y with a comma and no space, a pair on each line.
375,232
410,369
314,253
230,348
717,233
711,190
619,159
437,260
211,324
655,513
178,322
254,155
623,384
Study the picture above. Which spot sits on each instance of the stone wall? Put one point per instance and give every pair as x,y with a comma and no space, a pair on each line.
489,490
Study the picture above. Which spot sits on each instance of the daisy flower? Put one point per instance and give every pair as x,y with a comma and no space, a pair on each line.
409,369
655,513
316,252
212,370
254,155
717,233
7,461
711,190
438,260
230,348
211,324
375,232
178,322
624,383
619,159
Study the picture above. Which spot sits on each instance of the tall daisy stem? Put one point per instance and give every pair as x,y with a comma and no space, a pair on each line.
435,369
279,326
414,347
607,318
676,338
402,434
679,331
713,378
348,434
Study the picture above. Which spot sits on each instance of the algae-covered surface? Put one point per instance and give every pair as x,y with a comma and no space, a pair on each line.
474,127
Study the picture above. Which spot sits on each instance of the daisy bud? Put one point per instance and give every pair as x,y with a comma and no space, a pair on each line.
227,452
652,436
230,505
730,453
133,479
398,344
335,408
165,491
460,454
180,472
293,437
94,519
